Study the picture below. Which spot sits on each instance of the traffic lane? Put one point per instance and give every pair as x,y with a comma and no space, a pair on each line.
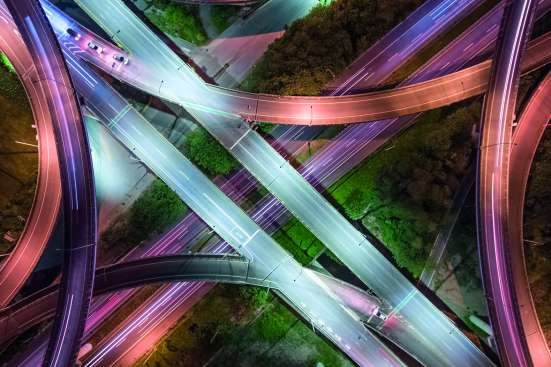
21,261
278,264
76,177
291,110
531,126
376,64
493,181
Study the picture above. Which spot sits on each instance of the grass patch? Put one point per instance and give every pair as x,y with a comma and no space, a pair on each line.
223,15
157,208
299,241
6,63
235,326
208,154
18,163
177,20
403,191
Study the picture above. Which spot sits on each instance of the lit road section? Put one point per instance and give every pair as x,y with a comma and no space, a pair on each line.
16,268
144,72
434,332
40,306
493,183
531,126
222,215
76,181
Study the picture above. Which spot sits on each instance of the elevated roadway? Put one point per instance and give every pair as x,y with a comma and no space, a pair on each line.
307,204
493,184
436,65
319,170
219,212
76,180
528,133
484,24
217,2
39,307
309,111
16,268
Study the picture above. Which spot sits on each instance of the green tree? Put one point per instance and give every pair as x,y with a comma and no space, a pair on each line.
402,201
207,153
156,209
356,204
305,58
177,20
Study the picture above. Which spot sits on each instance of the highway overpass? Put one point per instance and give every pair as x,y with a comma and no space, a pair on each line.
309,111
39,307
493,184
16,268
528,133
76,180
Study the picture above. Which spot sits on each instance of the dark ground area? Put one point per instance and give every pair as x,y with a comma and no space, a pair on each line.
18,162
242,326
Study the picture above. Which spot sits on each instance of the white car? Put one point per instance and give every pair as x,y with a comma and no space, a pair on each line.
120,58
95,47
381,315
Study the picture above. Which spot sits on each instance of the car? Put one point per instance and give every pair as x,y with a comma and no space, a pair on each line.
381,315
71,32
95,47
120,58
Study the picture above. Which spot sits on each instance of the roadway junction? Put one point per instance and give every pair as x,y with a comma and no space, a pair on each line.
57,58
